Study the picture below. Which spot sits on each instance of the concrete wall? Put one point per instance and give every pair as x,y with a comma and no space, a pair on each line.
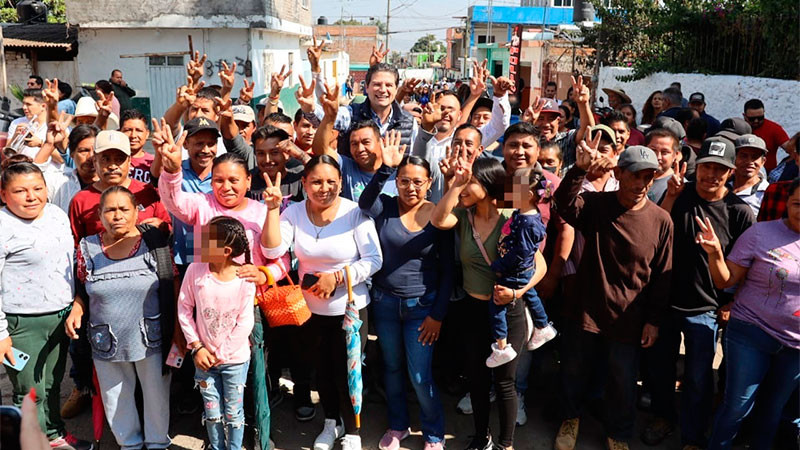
18,69
725,94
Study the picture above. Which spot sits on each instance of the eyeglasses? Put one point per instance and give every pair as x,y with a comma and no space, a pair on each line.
404,182
754,118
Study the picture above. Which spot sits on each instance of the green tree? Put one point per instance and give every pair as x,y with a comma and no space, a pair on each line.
56,11
427,44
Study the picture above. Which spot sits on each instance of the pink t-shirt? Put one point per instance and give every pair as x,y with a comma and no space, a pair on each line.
224,317
769,296
198,209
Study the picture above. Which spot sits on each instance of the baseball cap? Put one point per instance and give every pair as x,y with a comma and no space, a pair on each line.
112,140
733,127
199,124
612,136
750,141
549,105
636,158
669,124
243,113
697,97
483,102
717,150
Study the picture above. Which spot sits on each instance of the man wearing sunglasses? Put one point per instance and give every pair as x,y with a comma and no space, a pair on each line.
773,134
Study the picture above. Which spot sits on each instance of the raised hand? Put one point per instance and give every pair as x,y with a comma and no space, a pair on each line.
676,183
707,237
587,152
407,88
377,55
288,147
246,93
104,103
227,76
431,114
533,111
58,130
188,93
314,54
195,66
305,95
463,170
480,70
277,80
50,92
224,107
171,152
502,85
330,101
448,164
273,197
580,92
391,150
601,164
477,84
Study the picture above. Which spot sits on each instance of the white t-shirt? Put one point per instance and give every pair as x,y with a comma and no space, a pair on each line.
350,240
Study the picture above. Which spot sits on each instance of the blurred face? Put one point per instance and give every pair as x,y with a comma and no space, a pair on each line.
381,89
520,151
755,117
364,147
629,115
521,195
246,129
137,133
203,107
25,195
269,157
547,123
467,140
305,132
230,181
550,91
711,177
698,106
633,186
32,107
480,117
322,185
749,162
118,215
622,133
472,194
657,101
451,113
213,249
116,77
550,159
664,148
413,183
83,155
202,149
112,166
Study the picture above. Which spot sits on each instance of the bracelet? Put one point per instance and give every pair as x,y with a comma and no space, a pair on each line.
514,293
197,349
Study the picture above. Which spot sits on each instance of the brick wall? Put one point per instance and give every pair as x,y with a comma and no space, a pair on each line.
18,69
358,40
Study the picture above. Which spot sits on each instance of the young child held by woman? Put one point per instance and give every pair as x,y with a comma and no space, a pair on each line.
519,241
215,312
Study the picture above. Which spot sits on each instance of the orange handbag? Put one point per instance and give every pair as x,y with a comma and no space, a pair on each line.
282,305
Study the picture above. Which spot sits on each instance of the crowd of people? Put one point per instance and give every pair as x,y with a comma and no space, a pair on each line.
467,231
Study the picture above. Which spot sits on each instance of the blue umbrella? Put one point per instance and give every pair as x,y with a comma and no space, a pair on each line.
352,324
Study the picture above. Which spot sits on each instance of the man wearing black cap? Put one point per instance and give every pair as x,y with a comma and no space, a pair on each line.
733,127
697,102
748,182
696,304
622,285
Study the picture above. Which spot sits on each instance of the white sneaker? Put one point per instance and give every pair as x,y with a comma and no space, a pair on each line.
351,442
542,336
330,433
522,416
500,357
464,405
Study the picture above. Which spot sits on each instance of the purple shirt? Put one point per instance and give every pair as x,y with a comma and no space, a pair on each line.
769,296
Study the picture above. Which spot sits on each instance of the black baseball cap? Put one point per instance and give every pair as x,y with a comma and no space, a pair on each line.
733,127
483,102
199,124
697,97
717,150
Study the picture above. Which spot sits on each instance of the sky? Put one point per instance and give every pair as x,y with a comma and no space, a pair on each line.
407,16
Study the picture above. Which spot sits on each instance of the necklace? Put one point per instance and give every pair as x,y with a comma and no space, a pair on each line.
317,230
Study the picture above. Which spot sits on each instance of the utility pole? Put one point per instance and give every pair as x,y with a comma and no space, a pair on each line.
388,7
489,13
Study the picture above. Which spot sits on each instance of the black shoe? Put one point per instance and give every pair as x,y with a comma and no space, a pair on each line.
480,443
305,413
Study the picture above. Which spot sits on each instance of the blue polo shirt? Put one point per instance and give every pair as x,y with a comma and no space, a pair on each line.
182,233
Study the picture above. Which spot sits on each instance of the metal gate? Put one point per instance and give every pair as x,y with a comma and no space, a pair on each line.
166,74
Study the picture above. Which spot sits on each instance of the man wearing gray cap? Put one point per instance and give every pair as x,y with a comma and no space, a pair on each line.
622,286
697,306
748,182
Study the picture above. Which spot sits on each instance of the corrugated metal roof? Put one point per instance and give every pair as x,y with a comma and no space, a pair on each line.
24,43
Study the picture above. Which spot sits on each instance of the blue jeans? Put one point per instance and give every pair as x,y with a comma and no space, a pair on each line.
497,313
396,322
700,339
755,362
222,388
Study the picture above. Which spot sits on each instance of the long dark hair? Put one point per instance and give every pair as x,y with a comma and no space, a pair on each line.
230,233
491,175
321,159
648,113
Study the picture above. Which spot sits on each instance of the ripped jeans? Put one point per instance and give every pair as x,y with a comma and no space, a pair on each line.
222,388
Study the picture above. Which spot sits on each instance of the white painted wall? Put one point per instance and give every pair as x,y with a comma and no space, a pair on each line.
725,94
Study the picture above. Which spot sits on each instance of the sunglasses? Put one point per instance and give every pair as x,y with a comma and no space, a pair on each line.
754,118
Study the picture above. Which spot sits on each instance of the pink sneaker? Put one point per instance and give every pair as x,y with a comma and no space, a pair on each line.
391,439
433,446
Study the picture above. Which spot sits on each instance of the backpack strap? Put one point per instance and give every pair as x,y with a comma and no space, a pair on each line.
158,246
478,239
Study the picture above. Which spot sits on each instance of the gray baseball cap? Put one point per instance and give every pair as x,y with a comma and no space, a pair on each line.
717,150
751,141
669,124
636,158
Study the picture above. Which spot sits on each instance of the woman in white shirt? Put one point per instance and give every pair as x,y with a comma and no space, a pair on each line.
328,233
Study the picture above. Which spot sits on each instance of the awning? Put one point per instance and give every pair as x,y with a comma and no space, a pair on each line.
24,43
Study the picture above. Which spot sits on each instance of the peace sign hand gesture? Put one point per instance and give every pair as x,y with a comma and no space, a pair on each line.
463,170
169,150
246,93
587,152
57,130
50,92
533,111
277,80
580,92
188,93
447,165
676,183
391,150
227,76
305,95
314,54
194,68
224,107
707,237
431,114
104,103
273,197
330,101
502,85
377,55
